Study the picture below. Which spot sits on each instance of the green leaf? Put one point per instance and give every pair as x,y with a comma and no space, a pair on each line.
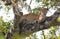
58,19
58,37
46,36
38,0
52,28
0,7
7,8
1,36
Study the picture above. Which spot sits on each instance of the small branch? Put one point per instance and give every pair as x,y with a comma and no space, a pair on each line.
22,3
15,8
30,2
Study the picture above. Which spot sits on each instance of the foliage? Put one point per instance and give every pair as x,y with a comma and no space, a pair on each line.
4,26
1,36
58,19
7,8
18,36
58,37
38,0
47,3
52,28
0,6
36,10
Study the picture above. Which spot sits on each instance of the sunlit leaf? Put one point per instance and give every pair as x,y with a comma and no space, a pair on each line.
38,0
7,8
1,36
52,28
0,7
58,19
58,37
46,36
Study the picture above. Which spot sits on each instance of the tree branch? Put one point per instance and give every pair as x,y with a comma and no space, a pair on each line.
15,8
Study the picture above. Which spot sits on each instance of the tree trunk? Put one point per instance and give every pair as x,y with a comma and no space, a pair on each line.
17,14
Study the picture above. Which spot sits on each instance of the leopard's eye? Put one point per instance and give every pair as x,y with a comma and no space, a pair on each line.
50,12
